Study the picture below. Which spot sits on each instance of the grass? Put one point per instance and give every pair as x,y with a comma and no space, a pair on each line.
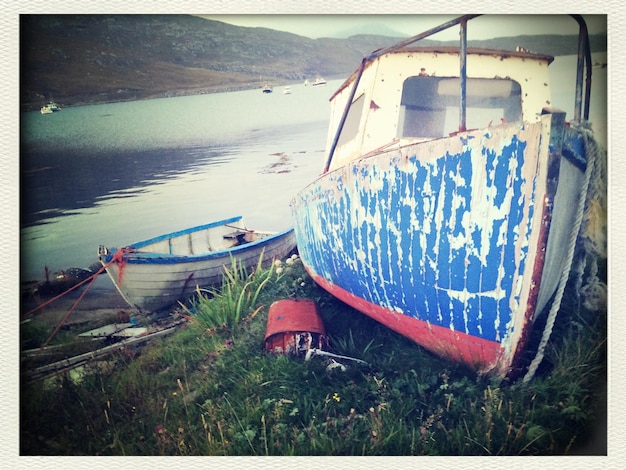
209,389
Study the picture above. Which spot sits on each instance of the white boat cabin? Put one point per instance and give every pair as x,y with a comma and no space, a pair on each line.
413,94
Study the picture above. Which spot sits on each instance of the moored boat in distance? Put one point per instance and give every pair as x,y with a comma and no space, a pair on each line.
267,88
319,81
50,108
450,197
155,273
287,90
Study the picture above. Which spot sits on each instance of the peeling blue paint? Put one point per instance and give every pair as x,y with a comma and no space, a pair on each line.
415,236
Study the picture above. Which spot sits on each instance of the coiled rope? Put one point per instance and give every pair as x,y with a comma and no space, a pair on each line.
595,172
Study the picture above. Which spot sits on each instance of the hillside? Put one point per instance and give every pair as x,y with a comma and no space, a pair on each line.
80,59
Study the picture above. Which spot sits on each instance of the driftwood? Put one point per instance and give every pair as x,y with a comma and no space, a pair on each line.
64,365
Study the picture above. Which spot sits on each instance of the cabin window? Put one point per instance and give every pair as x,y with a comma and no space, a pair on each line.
353,120
430,105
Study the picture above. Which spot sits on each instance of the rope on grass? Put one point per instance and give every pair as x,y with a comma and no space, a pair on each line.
67,315
593,153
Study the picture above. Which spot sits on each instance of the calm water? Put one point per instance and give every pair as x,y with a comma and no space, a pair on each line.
114,174
118,173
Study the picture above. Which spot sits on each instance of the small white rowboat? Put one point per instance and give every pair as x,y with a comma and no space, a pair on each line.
155,273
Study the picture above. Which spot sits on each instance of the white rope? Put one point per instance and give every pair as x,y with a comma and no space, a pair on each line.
592,155
319,352
593,234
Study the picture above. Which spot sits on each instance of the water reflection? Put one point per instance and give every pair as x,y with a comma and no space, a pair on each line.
57,182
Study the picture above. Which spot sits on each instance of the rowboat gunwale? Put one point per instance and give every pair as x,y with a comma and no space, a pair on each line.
134,256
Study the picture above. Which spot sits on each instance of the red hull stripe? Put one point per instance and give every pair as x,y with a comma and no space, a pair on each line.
477,353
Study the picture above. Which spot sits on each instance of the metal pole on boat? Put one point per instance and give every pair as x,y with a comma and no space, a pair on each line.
377,53
425,34
584,64
463,74
344,116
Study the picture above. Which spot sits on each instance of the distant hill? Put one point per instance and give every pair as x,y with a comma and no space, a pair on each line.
81,59
375,29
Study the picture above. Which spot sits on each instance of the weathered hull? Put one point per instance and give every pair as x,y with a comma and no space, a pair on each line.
153,281
445,241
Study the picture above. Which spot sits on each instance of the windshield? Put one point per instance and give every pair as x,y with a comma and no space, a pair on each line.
430,105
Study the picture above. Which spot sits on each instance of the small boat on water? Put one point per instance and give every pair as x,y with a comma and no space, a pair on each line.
50,108
267,88
155,273
287,90
450,197
319,81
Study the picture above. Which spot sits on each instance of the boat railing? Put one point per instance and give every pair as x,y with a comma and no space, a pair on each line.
583,73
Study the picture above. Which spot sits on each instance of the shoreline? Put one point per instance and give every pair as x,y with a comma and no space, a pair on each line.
72,101
97,305
89,100
599,61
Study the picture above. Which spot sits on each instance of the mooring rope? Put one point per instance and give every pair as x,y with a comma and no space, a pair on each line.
593,292
117,257
592,151
67,315
75,286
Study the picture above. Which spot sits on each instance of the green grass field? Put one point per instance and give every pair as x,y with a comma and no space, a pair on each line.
210,389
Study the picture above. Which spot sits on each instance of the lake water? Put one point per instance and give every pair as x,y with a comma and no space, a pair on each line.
118,173
114,174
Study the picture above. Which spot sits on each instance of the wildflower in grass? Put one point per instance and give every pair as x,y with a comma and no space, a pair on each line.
229,342
336,397
278,263
279,270
289,261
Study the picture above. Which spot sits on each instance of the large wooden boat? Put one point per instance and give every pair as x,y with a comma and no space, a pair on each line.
449,195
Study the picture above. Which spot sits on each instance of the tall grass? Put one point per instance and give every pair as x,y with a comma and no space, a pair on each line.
225,306
210,389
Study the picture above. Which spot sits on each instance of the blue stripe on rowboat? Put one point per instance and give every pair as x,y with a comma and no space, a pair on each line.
137,257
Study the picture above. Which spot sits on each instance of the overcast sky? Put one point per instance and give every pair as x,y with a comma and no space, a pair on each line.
489,26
